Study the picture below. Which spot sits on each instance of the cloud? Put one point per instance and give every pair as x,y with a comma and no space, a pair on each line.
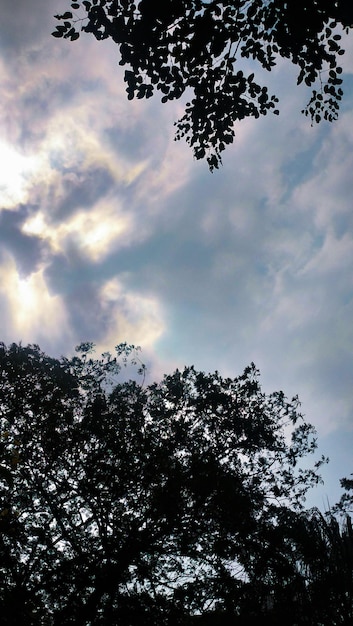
22,27
92,233
27,251
106,310
29,311
326,195
128,314
16,174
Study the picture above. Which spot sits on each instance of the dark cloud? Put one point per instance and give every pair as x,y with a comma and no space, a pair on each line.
79,189
74,281
85,310
23,24
28,251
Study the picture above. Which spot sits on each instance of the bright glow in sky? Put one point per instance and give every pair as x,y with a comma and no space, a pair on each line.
93,233
16,171
32,310
111,232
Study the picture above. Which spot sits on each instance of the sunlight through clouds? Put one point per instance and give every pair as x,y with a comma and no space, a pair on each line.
137,317
94,233
32,309
16,173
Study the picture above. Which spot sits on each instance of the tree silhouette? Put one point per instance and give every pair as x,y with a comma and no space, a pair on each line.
194,47
124,504
345,504
303,573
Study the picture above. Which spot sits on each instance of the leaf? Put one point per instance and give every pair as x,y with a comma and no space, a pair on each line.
64,16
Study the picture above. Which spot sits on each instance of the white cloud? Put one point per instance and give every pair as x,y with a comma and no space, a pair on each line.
16,174
129,316
94,233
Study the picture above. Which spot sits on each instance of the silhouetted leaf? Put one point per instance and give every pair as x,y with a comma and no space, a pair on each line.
198,41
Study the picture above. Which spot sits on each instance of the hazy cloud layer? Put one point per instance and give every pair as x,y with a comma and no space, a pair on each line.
109,231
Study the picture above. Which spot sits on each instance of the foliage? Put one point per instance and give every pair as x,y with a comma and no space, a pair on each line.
345,504
124,505
304,573
194,47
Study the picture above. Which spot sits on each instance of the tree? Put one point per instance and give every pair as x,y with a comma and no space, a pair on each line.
194,47
124,504
303,573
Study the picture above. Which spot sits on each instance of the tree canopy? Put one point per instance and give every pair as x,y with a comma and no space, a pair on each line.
173,503
195,47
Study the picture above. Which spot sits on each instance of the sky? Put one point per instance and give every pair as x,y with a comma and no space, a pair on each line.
110,231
